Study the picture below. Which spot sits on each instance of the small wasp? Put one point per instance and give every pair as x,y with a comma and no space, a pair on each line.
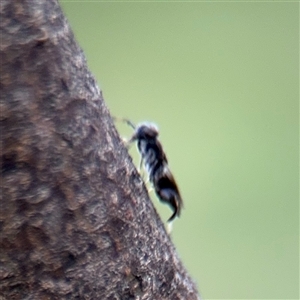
156,164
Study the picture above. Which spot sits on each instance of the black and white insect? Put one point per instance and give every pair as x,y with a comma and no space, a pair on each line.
156,164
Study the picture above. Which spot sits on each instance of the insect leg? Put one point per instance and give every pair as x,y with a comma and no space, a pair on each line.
141,164
169,227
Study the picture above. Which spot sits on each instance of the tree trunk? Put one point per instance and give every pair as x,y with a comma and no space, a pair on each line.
76,220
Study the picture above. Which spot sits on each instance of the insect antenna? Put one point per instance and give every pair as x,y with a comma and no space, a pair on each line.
127,121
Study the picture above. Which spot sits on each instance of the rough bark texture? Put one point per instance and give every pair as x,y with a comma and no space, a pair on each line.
76,221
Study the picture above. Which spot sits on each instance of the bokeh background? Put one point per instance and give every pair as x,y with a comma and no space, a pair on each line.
221,79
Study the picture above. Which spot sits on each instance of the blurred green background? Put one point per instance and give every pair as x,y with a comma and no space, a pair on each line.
222,82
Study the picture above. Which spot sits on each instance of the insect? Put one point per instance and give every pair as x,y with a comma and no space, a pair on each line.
156,164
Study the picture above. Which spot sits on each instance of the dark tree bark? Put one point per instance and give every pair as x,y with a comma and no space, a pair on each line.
76,221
